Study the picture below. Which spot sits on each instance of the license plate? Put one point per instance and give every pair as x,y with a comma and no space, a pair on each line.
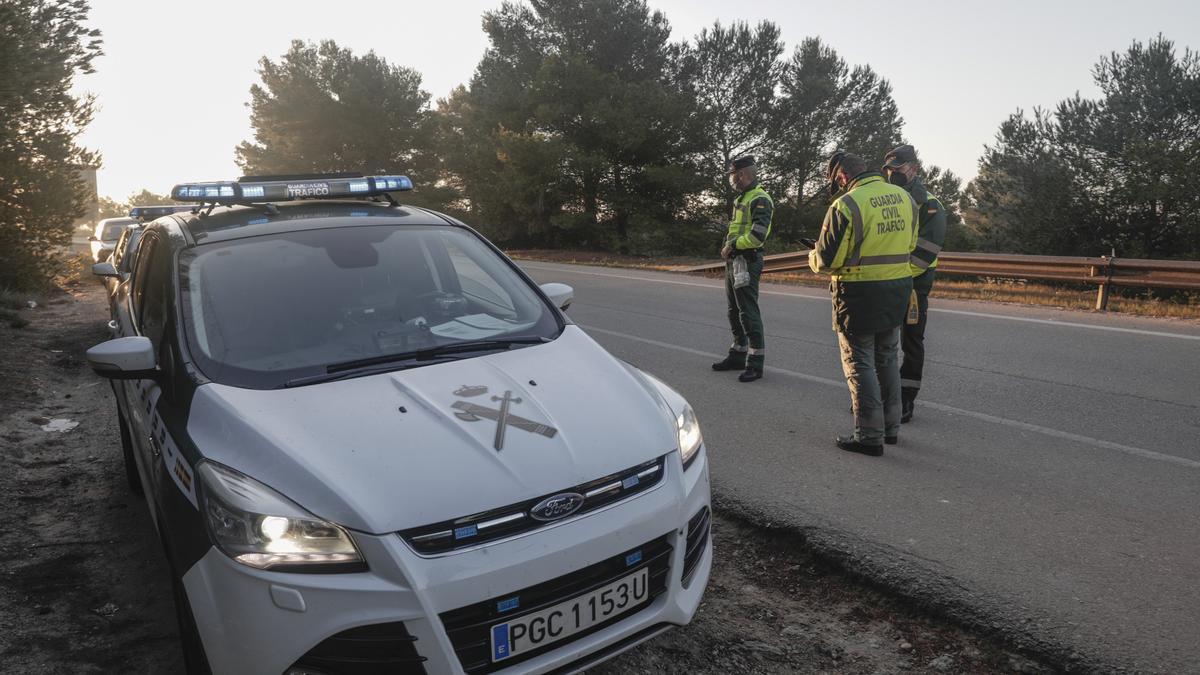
569,617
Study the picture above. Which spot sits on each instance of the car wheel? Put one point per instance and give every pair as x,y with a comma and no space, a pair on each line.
131,471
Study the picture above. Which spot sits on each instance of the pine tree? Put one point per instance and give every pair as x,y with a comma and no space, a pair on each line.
44,45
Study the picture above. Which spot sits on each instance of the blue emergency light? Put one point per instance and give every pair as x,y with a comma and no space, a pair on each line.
286,188
152,212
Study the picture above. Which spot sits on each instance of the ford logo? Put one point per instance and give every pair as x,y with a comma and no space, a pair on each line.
558,506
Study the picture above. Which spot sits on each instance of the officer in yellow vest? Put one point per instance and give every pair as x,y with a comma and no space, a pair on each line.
901,167
748,231
864,245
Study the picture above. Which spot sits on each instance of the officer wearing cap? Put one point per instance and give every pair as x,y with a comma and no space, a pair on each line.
902,168
864,246
748,231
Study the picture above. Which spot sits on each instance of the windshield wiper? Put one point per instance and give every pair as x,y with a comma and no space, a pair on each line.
347,374
476,346
433,353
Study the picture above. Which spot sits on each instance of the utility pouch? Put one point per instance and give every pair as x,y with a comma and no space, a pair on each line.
741,272
914,312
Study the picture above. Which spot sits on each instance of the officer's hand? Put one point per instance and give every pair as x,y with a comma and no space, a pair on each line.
726,251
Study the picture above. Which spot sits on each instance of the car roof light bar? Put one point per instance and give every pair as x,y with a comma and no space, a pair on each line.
158,211
255,191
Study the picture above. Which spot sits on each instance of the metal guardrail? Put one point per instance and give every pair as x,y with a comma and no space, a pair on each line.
1104,271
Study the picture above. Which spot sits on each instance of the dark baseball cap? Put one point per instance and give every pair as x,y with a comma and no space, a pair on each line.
741,162
900,155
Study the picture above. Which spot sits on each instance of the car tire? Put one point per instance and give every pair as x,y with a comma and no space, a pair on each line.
131,470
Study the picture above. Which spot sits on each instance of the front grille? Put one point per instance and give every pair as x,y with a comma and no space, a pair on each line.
366,650
697,538
506,521
469,627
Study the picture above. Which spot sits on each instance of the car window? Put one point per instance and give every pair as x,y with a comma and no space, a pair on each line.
119,251
152,307
263,310
127,249
477,284
112,231
138,289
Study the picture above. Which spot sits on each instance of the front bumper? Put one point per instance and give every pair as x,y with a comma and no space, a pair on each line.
254,621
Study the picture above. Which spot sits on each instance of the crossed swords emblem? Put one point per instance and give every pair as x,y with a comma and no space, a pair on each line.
472,412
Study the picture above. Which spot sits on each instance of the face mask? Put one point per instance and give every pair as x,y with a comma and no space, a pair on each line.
834,188
897,178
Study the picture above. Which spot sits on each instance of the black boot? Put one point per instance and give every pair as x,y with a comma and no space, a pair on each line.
850,444
906,410
734,361
751,374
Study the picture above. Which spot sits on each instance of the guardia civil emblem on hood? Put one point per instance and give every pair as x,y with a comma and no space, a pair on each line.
473,412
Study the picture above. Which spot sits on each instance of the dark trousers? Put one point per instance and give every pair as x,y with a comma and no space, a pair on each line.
870,362
745,320
912,343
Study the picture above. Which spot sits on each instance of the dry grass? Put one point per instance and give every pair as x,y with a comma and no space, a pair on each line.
1187,306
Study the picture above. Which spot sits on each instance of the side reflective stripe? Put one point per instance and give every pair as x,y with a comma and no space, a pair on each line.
914,384
893,259
918,263
760,231
857,223
928,246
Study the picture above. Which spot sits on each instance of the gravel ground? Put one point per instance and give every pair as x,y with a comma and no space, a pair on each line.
84,588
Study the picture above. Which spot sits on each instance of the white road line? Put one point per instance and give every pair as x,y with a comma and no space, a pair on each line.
1003,421
825,298
1069,324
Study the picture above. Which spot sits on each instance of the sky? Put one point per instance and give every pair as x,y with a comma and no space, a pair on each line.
173,84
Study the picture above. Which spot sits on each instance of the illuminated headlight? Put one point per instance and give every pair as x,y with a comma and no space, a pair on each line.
690,439
259,527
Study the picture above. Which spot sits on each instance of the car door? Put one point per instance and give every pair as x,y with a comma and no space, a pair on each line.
165,421
140,396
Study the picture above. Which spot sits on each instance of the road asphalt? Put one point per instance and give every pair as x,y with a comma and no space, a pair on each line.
1048,488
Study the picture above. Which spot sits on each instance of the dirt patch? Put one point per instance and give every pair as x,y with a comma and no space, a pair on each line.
772,607
83,582
84,586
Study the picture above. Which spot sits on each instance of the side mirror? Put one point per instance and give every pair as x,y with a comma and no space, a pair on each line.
125,358
104,269
93,238
560,294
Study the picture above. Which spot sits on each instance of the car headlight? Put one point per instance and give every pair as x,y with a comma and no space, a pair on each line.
690,439
259,527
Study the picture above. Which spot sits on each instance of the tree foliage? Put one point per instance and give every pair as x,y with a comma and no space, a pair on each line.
825,104
321,108
43,45
584,125
578,126
1117,172
733,72
111,208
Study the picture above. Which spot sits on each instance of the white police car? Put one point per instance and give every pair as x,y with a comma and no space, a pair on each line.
120,261
370,443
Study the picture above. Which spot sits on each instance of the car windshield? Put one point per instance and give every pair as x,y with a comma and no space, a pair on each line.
112,231
263,312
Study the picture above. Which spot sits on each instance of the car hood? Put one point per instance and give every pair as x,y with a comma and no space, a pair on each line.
397,450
